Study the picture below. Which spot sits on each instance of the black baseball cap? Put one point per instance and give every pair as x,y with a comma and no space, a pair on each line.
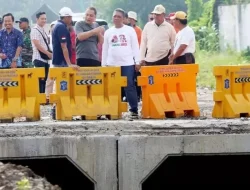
22,20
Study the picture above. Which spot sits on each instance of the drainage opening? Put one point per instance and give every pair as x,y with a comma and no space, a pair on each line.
244,115
57,170
196,170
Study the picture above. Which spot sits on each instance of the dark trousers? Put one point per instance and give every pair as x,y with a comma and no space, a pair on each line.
138,88
163,61
42,82
82,62
188,58
130,90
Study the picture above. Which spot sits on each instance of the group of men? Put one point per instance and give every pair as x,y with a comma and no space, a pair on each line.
124,44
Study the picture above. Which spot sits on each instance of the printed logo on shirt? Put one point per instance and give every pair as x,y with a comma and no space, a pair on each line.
121,41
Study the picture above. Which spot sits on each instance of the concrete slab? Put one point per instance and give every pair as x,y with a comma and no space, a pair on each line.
121,127
140,155
142,146
95,155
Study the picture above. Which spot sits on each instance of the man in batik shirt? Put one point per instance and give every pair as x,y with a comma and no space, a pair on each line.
11,42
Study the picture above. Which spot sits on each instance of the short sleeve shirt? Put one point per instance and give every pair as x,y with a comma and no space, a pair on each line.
87,48
9,42
186,37
38,33
60,35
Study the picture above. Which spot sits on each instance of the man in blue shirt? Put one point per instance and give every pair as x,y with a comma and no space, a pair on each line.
11,42
62,44
61,40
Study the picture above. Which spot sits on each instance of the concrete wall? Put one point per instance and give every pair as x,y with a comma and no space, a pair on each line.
139,156
96,155
234,26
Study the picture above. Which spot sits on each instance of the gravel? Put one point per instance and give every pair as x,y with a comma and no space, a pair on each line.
205,102
13,177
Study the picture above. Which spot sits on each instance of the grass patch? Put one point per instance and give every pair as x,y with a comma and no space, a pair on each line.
207,61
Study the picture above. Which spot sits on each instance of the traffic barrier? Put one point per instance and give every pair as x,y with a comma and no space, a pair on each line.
232,95
19,94
169,91
89,92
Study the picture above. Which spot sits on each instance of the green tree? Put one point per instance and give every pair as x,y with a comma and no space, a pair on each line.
195,9
141,7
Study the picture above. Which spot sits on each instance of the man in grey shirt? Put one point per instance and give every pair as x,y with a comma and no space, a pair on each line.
89,34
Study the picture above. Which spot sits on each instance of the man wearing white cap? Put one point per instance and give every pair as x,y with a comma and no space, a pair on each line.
185,40
158,39
61,40
132,16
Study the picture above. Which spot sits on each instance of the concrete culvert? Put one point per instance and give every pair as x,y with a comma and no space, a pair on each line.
58,171
200,169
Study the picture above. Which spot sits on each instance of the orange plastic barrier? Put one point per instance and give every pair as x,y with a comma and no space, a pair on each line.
169,91
232,95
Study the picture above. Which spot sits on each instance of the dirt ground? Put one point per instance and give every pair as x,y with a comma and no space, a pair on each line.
205,102
10,174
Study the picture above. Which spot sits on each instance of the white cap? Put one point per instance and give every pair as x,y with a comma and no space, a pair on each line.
132,15
53,23
65,11
159,9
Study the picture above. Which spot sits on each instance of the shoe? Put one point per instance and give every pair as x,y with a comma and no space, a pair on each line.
124,99
133,115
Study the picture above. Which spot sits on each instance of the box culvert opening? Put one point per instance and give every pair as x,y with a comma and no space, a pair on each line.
199,169
57,170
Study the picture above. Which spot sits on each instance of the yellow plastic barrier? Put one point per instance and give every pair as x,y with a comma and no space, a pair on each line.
169,91
232,95
19,93
89,92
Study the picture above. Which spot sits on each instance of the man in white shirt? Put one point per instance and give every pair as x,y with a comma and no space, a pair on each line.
121,48
184,47
41,51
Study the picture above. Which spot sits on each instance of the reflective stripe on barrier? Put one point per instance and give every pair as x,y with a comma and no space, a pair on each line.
232,95
89,92
169,91
19,93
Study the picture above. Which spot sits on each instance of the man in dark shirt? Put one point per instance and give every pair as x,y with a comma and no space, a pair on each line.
89,34
11,42
61,40
27,51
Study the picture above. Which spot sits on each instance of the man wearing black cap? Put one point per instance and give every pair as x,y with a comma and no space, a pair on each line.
1,23
27,46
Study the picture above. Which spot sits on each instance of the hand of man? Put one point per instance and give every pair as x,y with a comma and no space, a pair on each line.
137,68
171,59
50,55
3,56
98,30
13,65
75,67
143,63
